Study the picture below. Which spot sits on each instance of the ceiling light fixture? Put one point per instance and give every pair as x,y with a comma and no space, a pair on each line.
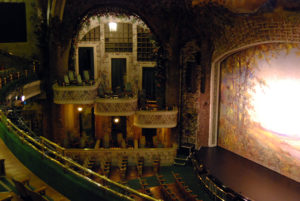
112,26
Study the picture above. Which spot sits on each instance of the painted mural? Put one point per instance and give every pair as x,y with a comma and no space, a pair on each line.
260,106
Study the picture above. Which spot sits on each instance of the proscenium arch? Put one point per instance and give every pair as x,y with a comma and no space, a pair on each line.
215,84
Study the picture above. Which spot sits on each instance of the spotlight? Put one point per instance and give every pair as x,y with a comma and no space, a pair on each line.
79,109
116,120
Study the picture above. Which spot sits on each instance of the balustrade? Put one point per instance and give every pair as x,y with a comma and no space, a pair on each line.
156,118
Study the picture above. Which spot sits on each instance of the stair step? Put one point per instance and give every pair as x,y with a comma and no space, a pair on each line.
179,164
181,159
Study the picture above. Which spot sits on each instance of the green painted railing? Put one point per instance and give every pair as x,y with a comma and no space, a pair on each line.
68,177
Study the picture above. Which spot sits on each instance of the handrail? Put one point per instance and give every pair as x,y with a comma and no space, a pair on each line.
211,186
206,181
59,148
69,162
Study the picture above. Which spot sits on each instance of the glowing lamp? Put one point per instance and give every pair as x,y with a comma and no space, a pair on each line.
116,120
79,109
112,26
23,98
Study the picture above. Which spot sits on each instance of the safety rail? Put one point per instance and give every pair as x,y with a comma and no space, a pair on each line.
217,190
57,148
213,188
67,163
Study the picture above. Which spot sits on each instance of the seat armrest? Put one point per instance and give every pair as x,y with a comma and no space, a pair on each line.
41,190
25,181
6,198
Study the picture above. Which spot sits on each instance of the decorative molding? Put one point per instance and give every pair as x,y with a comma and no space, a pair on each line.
166,155
75,94
260,30
115,106
156,119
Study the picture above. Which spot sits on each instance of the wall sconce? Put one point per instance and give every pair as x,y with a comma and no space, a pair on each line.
112,26
116,120
79,109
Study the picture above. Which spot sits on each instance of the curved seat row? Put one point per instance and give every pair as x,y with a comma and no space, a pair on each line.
215,188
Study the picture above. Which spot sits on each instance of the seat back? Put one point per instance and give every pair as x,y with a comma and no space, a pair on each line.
79,80
66,80
34,196
71,76
86,75
22,190
101,92
128,87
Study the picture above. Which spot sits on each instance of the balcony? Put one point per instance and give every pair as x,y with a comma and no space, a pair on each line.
156,118
32,89
84,94
114,106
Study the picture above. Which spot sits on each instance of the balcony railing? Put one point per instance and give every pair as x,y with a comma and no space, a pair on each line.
75,94
116,106
156,118
57,156
32,89
166,155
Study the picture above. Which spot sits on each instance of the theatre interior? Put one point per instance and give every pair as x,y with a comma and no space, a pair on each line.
150,100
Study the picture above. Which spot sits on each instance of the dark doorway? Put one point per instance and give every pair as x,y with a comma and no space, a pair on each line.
86,60
149,133
118,70
148,83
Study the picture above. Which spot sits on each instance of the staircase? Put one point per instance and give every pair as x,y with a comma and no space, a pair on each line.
183,154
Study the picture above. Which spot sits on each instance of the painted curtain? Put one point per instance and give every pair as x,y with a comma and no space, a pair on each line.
259,115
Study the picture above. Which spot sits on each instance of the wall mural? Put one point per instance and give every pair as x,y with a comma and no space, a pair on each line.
260,106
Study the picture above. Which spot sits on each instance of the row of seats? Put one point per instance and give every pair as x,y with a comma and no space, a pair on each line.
213,185
123,167
28,192
140,166
6,197
72,79
167,193
185,190
104,165
145,187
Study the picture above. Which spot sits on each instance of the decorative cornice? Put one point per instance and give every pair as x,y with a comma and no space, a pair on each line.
156,119
115,106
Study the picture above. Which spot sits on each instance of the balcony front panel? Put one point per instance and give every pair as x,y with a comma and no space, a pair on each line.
115,106
32,89
75,94
165,155
156,119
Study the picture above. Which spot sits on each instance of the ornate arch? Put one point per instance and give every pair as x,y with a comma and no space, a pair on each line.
281,27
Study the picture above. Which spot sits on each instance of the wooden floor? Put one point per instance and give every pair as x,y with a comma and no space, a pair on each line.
15,169
248,178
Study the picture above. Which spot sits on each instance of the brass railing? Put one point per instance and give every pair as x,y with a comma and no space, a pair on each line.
212,187
67,163
218,191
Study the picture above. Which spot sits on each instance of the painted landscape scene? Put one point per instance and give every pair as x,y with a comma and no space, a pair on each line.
259,115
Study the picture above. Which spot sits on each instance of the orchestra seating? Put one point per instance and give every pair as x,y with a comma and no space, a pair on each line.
6,197
166,191
27,192
184,189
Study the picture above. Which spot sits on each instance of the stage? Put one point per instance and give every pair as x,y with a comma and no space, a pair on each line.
247,178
